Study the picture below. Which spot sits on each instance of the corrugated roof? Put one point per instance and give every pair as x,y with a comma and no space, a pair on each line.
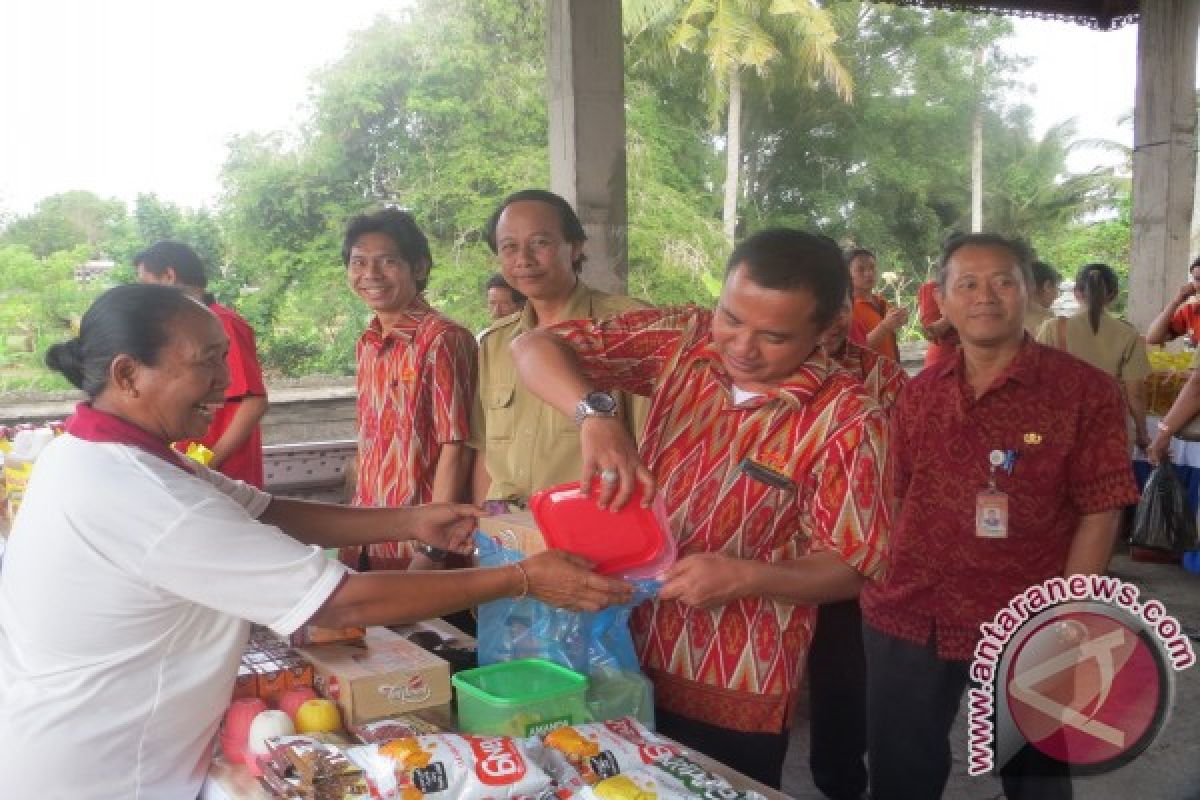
1099,14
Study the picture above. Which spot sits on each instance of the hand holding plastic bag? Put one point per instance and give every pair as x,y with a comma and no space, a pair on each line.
1163,520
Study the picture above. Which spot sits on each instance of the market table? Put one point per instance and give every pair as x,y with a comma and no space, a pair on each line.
228,781
234,782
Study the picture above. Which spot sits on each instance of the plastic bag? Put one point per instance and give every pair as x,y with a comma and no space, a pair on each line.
1163,520
596,644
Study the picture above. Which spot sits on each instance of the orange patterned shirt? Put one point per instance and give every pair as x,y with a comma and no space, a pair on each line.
739,666
416,384
882,377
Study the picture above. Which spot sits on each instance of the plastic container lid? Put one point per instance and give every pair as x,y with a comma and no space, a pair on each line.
520,682
632,542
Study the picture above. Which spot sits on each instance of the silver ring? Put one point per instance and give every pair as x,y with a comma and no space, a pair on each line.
609,475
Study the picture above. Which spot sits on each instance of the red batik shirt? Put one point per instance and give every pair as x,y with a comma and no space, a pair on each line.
416,383
1066,421
739,666
245,380
882,377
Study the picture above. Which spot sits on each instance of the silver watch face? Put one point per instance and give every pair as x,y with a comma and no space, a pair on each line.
600,402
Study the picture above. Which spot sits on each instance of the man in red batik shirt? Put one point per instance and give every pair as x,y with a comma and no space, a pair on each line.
234,437
772,463
1005,418
415,379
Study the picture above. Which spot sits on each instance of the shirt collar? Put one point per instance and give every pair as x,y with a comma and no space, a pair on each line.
405,328
579,306
1022,369
796,389
92,425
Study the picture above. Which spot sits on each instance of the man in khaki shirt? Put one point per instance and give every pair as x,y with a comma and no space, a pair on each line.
1045,291
523,445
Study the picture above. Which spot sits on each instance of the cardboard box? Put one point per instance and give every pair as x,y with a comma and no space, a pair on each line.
514,531
391,675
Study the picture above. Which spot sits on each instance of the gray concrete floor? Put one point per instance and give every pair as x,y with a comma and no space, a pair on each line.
1168,770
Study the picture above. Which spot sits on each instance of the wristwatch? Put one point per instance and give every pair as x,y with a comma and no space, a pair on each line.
431,552
595,404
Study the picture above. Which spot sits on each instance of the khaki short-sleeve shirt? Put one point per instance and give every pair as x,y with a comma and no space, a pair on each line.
1035,316
528,445
1116,347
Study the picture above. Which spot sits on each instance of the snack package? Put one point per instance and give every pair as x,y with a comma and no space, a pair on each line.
308,766
400,727
698,781
600,750
455,766
315,634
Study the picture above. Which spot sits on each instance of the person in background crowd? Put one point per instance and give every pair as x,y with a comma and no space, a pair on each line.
522,444
234,438
1185,407
877,319
1109,344
502,299
132,574
1045,291
1011,468
937,330
1181,317
751,434
416,382
837,668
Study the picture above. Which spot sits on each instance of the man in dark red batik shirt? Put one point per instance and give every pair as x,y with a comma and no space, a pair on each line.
1057,426
234,436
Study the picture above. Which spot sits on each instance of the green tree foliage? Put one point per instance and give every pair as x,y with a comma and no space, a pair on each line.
66,221
740,39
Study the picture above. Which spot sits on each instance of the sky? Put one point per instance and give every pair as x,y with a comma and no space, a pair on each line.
126,96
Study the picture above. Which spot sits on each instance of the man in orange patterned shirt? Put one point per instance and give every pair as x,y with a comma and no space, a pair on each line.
416,383
773,465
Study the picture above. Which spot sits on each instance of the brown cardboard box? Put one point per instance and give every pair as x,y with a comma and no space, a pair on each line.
514,531
391,675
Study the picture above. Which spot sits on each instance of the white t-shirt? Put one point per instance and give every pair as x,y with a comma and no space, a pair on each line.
123,605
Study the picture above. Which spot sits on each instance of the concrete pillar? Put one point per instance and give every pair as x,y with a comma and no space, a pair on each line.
1164,157
584,66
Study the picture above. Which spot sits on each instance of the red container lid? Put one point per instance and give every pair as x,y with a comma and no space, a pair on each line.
622,542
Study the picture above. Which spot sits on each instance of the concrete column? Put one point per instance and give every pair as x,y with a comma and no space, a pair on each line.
584,66
1164,157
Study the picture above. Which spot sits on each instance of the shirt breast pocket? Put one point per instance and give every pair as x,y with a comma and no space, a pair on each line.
499,413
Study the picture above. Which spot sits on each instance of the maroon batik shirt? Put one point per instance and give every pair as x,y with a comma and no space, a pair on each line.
1066,422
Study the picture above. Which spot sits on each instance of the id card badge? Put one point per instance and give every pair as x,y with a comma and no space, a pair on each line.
991,514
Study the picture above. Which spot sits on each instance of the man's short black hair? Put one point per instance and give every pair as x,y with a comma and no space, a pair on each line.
167,254
1043,273
572,228
786,259
1020,251
496,281
402,229
857,252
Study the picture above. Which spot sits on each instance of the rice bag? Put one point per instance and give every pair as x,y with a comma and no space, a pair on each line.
446,765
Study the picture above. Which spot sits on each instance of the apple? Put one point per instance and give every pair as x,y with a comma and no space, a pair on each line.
318,716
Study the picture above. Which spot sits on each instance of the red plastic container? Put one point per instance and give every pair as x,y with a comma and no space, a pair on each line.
632,542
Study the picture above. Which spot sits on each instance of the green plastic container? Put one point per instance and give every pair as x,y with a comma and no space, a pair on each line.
526,697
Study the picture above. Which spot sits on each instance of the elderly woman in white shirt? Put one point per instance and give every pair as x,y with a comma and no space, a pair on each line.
132,575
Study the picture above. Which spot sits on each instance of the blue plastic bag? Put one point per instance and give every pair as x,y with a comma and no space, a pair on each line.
596,644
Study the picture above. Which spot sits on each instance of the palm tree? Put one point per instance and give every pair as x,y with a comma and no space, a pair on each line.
740,35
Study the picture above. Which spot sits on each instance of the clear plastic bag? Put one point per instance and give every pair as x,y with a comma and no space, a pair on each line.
596,644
